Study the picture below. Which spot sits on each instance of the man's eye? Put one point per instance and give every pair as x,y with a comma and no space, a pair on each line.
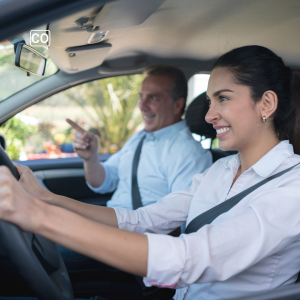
208,102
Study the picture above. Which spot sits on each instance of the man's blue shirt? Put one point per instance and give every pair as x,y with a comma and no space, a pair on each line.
169,159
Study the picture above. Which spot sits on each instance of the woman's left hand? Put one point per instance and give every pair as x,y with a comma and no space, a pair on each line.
30,184
16,205
121,249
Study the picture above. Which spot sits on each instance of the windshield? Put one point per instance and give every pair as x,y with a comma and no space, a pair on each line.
12,79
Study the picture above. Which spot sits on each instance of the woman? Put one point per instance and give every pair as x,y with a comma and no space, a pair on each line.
255,108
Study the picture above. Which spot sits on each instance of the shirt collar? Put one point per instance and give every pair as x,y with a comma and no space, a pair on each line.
233,162
271,161
268,163
166,131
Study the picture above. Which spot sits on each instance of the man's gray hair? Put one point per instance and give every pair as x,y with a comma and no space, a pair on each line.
179,88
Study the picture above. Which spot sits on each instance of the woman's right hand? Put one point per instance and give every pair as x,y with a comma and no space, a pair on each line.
17,206
85,143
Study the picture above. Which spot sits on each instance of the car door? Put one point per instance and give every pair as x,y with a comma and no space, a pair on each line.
107,107
65,177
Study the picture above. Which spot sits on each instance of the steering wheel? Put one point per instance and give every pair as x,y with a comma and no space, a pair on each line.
36,258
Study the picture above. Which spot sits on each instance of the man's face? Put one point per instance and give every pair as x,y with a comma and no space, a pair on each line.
158,109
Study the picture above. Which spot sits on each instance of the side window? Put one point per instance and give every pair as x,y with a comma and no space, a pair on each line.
196,86
107,107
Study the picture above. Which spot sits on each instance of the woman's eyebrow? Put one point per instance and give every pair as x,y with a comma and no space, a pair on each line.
217,93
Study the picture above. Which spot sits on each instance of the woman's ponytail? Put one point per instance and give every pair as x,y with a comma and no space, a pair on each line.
294,133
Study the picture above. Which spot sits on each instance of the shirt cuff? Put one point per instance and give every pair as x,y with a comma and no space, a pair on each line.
166,260
127,219
103,188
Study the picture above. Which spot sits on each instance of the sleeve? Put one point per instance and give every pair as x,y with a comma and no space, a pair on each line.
111,167
162,217
228,246
111,175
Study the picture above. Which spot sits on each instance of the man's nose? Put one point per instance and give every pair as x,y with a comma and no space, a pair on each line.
212,115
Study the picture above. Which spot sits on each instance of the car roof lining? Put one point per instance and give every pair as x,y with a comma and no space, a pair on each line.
18,15
188,34
192,29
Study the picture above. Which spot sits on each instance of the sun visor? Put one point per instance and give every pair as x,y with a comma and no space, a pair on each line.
125,13
88,56
124,65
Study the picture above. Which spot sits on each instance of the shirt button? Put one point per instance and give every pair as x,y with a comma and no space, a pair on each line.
125,178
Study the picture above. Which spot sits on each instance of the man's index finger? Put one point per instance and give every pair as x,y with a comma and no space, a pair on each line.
75,125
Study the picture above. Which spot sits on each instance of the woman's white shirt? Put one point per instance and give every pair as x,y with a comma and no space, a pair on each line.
253,247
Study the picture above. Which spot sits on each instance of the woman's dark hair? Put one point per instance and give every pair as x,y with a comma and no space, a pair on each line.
261,70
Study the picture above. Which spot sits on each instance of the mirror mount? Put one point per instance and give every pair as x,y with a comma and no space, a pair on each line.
16,41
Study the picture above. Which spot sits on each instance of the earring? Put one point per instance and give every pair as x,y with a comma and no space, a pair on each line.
264,119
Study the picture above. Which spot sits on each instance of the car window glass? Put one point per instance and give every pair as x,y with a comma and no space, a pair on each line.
197,85
107,107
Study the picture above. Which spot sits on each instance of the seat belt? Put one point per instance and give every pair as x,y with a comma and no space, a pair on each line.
211,214
135,192
148,292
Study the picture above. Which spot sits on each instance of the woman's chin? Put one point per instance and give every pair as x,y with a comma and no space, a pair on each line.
226,146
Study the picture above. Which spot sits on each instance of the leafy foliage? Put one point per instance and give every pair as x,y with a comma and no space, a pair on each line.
16,133
114,101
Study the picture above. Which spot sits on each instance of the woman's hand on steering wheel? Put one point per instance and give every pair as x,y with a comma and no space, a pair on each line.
16,205
31,185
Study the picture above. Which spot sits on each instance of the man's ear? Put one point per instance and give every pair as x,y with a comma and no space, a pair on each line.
269,103
179,104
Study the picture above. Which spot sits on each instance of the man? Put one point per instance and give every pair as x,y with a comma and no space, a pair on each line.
156,161
169,155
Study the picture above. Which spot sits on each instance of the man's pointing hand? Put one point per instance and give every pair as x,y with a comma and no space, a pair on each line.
85,143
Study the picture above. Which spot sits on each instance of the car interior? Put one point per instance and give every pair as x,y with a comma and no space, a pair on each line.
92,40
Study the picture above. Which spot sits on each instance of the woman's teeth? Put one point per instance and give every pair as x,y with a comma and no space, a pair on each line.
221,130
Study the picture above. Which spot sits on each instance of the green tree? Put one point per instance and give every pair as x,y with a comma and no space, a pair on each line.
114,101
16,133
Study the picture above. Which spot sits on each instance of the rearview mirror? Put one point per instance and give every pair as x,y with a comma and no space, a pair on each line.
30,60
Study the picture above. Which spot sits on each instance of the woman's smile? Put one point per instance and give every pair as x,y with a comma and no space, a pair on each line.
222,131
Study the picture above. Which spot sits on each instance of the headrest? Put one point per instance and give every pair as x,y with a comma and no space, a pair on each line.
195,117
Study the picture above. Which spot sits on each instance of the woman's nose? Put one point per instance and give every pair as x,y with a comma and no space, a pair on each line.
212,115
